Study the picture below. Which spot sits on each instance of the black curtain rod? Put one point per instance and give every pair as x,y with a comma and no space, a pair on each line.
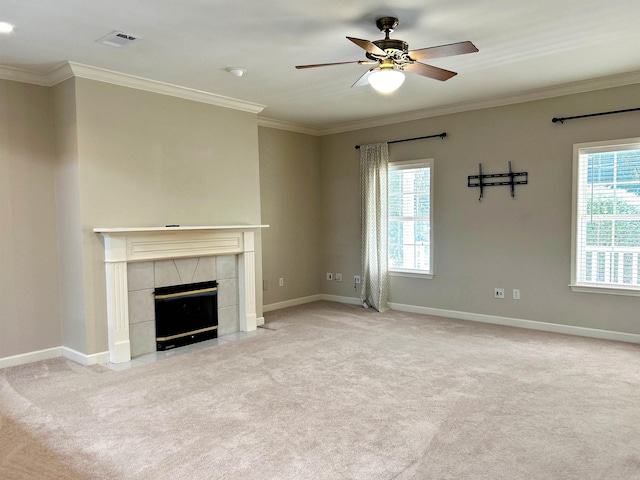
441,135
561,120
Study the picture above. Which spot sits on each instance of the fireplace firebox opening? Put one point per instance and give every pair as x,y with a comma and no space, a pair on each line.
186,314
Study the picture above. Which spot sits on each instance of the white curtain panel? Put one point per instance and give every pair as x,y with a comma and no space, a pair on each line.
374,161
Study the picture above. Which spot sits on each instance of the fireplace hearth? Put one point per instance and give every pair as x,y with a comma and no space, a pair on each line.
186,314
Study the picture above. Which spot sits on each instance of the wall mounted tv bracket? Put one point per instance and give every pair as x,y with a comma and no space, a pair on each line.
479,180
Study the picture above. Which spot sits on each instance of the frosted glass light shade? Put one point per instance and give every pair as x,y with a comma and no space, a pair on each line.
386,80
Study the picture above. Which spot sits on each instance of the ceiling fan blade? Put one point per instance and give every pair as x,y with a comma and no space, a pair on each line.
368,46
364,78
359,62
429,71
443,51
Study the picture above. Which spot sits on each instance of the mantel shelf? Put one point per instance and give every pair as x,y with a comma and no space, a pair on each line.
116,230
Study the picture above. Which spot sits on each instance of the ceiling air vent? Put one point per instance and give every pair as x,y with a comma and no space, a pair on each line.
117,39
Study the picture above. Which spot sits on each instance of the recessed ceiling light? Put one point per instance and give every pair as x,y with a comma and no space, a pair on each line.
6,27
237,71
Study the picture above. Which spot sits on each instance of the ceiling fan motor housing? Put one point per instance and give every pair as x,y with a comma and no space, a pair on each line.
391,44
393,48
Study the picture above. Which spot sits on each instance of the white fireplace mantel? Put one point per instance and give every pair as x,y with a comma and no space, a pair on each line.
125,245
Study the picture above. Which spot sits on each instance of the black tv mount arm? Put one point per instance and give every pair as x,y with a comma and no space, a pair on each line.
478,180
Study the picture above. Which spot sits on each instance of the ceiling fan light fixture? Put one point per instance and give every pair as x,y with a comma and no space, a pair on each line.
386,80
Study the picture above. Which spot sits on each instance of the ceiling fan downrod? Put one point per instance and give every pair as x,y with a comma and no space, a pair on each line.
392,47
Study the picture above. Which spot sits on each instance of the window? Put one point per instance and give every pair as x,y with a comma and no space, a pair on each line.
410,218
606,217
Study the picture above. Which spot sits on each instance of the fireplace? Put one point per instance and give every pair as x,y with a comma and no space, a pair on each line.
139,244
186,314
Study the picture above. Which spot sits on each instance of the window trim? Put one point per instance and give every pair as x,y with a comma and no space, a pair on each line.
592,287
405,272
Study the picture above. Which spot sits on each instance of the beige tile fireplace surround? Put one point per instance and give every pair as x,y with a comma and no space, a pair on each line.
144,277
134,255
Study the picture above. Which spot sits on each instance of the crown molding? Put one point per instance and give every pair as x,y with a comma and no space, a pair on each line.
282,125
528,96
24,76
60,74
139,83
72,69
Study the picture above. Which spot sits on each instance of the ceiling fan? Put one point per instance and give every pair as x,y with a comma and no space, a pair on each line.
390,58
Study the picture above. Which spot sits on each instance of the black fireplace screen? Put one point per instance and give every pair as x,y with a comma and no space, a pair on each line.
186,314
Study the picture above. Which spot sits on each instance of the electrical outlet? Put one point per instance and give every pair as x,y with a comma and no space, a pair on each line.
356,279
281,282
329,276
338,277
498,293
516,294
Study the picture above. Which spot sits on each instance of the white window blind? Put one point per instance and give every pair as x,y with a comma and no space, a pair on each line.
410,217
607,215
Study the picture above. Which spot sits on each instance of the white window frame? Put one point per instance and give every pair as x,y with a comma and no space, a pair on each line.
421,163
585,148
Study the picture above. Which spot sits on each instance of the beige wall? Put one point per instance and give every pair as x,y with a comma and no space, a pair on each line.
290,196
522,243
86,154
147,160
72,299
29,291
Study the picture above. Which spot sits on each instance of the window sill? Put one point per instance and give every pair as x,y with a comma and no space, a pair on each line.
399,273
606,289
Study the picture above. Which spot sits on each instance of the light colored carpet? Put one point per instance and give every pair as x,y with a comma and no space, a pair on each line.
336,392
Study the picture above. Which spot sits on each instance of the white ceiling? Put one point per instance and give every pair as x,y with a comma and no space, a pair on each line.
523,47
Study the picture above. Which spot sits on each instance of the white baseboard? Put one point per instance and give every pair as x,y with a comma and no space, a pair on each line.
103,357
496,320
519,323
313,298
30,357
66,352
83,359
291,303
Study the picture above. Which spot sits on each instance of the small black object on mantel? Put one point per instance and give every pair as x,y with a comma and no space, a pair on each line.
478,180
